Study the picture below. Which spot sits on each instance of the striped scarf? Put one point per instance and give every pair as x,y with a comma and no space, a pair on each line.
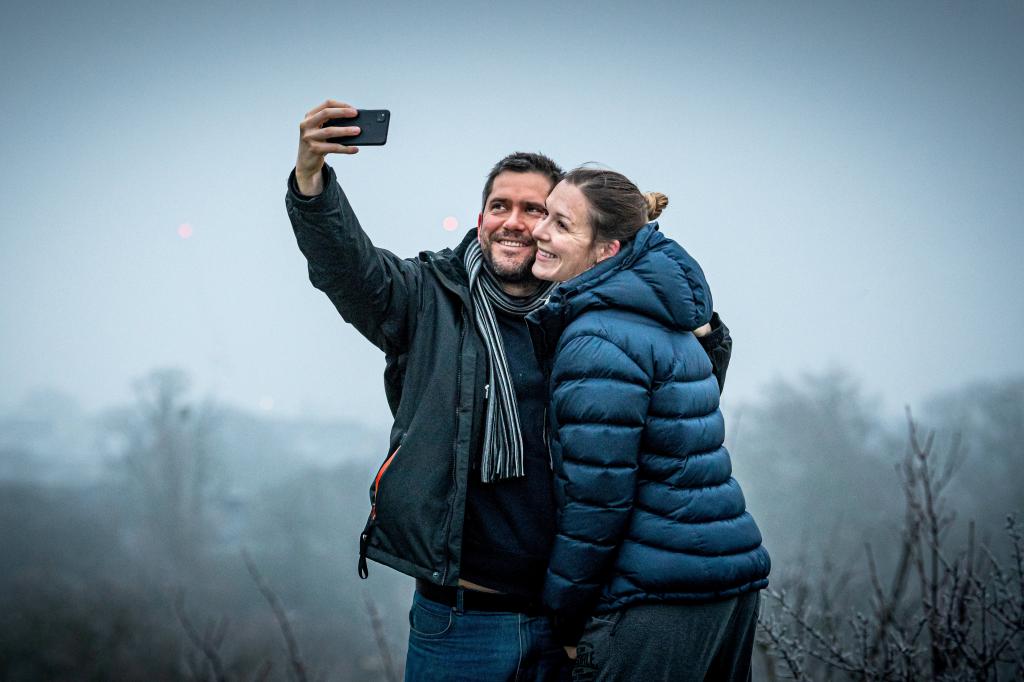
503,442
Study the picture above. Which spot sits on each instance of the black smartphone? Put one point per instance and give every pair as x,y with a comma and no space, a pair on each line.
373,128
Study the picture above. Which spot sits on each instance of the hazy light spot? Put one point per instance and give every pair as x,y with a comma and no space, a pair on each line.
451,223
184,230
266,403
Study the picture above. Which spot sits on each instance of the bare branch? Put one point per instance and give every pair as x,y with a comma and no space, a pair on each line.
382,644
298,667
830,651
787,648
204,644
264,672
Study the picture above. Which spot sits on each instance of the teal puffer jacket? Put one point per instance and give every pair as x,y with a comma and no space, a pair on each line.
648,508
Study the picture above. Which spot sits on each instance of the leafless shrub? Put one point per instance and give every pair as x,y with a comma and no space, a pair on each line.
944,615
206,662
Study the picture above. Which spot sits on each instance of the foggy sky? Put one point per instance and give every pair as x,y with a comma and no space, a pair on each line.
848,176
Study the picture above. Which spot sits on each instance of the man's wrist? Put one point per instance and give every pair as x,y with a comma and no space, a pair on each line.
309,185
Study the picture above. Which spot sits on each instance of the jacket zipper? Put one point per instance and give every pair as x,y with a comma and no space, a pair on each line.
455,442
547,441
376,481
364,537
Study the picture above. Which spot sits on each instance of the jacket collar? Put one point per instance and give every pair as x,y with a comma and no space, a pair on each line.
450,267
652,276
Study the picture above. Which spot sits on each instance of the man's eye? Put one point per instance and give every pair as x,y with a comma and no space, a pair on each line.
497,206
562,225
538,210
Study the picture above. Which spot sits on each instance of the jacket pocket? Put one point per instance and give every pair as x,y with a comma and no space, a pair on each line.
377,480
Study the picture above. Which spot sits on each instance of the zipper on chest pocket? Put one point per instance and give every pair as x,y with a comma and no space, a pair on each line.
376,481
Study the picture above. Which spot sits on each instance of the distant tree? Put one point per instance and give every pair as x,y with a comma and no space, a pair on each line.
814,456
166,462
94,574
988,419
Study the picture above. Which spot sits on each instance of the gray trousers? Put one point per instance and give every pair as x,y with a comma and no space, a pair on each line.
670,642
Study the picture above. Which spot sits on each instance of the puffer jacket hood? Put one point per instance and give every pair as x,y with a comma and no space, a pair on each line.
651,275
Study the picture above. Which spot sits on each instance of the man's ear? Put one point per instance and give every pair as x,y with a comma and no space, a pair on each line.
479,221
606,250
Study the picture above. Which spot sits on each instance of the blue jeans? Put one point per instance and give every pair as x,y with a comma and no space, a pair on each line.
450,644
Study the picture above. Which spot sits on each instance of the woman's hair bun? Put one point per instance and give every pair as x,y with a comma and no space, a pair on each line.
656,203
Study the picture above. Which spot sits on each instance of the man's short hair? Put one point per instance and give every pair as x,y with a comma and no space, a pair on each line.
523,162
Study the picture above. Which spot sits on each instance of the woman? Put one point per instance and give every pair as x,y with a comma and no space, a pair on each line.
654,543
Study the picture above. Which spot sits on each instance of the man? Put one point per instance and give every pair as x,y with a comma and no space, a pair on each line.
464,500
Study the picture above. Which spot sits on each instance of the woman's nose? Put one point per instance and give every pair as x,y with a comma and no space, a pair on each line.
539,230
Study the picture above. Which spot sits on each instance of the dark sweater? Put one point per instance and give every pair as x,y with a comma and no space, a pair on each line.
510,525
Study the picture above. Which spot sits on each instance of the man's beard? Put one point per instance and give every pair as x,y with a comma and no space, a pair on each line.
523,274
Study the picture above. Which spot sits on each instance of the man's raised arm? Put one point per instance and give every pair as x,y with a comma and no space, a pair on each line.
372,288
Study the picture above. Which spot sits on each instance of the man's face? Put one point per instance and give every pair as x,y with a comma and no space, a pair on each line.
513,207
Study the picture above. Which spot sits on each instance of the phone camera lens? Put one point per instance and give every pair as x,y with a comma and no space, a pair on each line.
381,116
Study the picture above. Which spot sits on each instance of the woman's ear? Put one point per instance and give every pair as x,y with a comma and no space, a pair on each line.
606,250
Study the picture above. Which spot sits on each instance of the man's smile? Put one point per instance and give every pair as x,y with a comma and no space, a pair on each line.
513,243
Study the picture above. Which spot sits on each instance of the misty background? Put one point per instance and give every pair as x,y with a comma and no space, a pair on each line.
172,389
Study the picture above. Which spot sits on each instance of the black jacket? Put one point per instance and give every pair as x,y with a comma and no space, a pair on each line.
436,367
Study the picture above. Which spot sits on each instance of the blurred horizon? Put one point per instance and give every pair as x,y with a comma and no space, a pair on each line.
61,439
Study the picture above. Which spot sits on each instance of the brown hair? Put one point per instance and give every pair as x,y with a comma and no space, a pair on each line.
523,162
617,208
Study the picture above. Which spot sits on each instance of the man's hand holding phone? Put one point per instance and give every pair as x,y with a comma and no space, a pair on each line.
314,145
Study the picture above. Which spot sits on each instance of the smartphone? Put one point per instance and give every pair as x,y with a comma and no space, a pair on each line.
373,128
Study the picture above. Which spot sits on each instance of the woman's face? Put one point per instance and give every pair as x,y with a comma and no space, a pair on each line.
565,240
